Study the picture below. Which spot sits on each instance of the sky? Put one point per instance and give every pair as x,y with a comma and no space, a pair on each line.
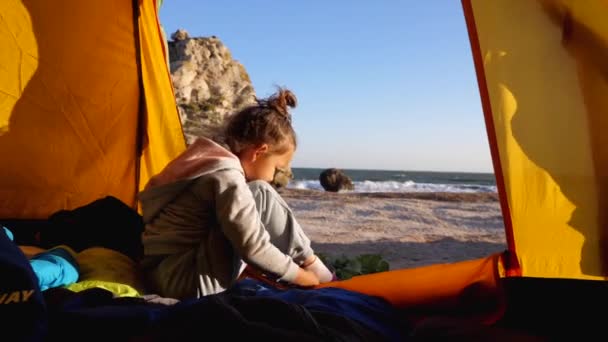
387,84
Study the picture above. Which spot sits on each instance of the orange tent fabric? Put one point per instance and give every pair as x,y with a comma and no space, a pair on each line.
79,92
467,288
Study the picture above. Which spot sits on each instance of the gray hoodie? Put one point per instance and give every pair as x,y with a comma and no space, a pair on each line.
201,220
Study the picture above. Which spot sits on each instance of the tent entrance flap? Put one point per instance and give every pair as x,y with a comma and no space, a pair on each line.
546,86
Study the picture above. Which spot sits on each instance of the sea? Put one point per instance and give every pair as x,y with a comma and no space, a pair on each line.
400,181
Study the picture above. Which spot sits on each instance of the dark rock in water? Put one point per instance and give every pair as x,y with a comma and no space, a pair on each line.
335,180
282,177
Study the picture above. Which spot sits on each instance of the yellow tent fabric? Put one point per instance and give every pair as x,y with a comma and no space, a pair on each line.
543,72
164,136
71,105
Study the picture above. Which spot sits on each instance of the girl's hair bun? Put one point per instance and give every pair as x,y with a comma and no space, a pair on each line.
281,101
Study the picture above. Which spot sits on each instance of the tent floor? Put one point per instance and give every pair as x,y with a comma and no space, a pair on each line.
536,308
555,308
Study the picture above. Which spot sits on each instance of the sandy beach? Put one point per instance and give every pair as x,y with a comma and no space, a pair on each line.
407,229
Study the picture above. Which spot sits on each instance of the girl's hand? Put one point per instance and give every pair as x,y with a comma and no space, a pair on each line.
306,278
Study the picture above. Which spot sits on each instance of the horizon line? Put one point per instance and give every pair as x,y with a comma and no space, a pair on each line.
400,170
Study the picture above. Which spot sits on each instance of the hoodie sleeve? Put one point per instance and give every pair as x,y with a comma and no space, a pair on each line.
240,221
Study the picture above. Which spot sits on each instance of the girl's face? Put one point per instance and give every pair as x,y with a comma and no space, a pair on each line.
259,164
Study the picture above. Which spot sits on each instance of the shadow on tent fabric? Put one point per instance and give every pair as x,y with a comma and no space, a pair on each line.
73,120
590,51
541,136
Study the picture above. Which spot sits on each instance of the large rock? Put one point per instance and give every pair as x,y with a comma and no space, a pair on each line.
335,180
180,34
207,82
282,177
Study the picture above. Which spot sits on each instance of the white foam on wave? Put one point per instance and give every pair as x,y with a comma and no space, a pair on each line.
394,186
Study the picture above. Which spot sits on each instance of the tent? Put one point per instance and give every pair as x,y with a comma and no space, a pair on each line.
87,110
87,107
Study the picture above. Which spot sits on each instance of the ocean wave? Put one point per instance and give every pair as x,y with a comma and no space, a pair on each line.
395,186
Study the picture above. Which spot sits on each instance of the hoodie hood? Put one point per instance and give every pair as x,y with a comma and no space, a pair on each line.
202,157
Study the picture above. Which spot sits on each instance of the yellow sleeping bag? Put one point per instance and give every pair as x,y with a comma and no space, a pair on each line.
110,270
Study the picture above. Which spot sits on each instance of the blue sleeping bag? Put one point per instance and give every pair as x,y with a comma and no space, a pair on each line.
22,307
372,312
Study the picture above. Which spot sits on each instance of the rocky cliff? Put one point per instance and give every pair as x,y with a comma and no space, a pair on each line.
208,83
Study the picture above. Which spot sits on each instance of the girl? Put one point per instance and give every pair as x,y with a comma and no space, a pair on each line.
212,211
